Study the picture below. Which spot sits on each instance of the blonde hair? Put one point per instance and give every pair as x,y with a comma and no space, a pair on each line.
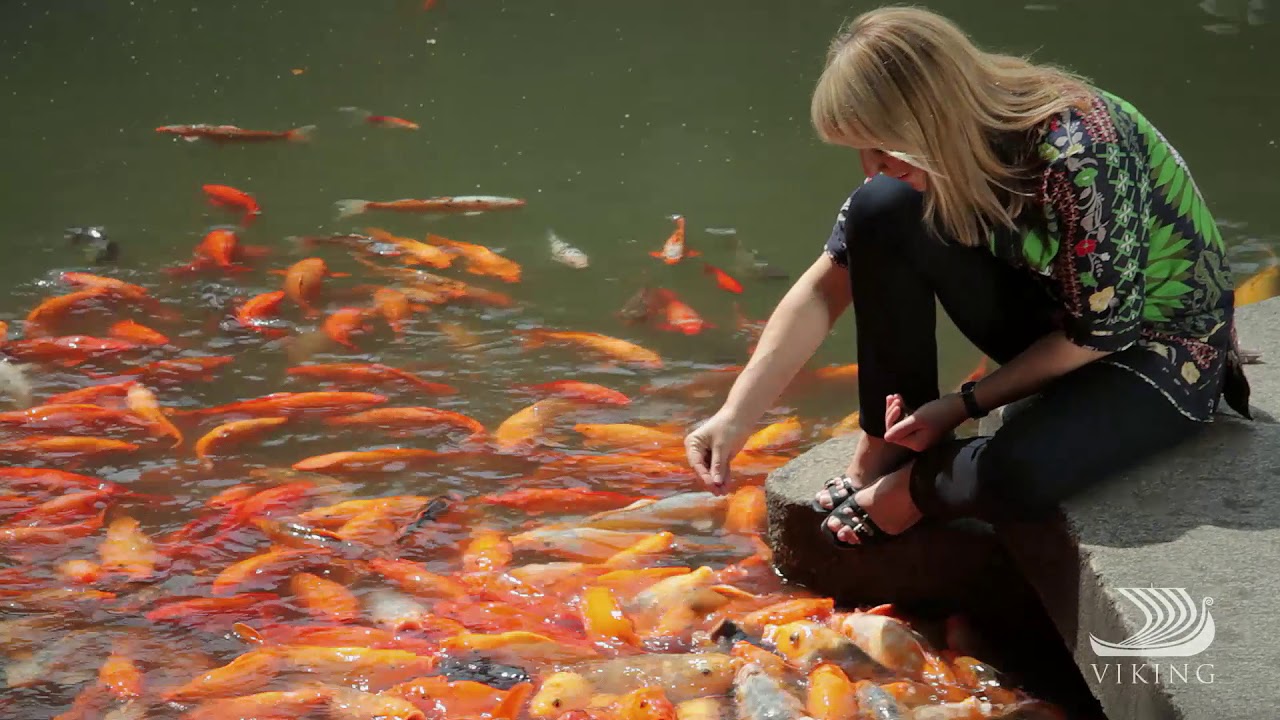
910,82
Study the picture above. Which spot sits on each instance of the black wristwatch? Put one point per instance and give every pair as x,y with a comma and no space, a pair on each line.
970,402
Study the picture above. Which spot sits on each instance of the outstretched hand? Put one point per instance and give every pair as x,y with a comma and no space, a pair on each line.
923,428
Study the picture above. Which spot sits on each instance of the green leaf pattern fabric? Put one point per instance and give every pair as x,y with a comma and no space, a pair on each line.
1123,239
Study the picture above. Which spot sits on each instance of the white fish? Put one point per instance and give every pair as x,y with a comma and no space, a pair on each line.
566,254
760,697
14,385
394,610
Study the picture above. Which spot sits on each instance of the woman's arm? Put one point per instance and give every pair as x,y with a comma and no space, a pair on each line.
1047,358
794,332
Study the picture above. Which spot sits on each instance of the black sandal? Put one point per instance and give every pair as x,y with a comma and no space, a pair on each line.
858,520
843,484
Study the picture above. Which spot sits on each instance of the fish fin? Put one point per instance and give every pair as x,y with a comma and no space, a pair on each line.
509,708
670,261
277,272
255,251
532,339
340,274
302,134
472,213
657,254
348,208
692,253
190,138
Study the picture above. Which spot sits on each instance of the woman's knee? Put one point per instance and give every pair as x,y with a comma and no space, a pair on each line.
881,207
1014,482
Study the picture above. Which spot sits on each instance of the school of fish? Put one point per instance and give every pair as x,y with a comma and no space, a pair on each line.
413,562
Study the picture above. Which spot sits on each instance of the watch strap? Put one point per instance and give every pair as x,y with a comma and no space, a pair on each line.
970,402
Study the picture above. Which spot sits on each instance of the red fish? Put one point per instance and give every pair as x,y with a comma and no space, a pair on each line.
42,319
53,446
371,460
65,418
456,204
252,312
673,250
343,322
302,283
233,431
93,395
137,333
117,287
227,196
394,307
220,249
722,278
69,350
575,390
388,121
369,373
287,404
677,316
410,417
231,133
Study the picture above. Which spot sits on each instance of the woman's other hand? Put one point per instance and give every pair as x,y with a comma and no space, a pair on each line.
923,428
712,445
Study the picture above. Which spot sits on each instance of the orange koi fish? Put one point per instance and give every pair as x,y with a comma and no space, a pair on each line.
480,259
252,313
51,535
288,404
677,316
41,321
722,278
66,418
776,436
575,390
227,196
625,435
455,204
62,509
410,417
837,372
396,507
354,704
831,694
387,121
540,500
245,674
521,431
611,347
232,432
231,605
92,395
303,702
263,570
366,461
417,580
219,249
369,373
128,550
119,288
302,283
69,350
414,252
394,307
1261,286
136,333
342,322
144,404
325,599
604,620
487,552
231,133
673,250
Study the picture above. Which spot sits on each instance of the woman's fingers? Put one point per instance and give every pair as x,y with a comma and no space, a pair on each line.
900,431
699,456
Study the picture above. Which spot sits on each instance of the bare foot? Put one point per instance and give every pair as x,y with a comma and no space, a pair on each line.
871,459
889,504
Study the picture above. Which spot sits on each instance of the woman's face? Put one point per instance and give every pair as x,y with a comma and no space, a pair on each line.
875,162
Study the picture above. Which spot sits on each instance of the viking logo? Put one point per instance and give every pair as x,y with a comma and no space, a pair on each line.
1174,626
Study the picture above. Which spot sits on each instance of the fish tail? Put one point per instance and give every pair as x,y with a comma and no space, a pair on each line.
301,134
349,208
358,114
510,706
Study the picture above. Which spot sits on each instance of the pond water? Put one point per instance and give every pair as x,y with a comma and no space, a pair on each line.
607,117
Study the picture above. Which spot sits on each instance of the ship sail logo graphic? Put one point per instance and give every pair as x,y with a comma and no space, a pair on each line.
1174,625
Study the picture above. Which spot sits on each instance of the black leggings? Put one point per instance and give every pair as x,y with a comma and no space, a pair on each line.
1093,421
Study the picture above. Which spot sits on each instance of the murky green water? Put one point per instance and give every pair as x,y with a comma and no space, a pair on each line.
607,116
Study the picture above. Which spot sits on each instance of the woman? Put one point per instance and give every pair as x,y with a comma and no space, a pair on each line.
1063,236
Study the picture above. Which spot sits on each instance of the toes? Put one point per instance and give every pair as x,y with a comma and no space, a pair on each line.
847,535
834,525
824,499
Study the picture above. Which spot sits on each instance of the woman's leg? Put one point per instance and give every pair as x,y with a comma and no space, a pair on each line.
1084,427
898,268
